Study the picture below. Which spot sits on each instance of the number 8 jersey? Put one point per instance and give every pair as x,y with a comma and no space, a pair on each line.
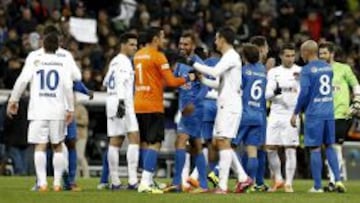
253,85
315,80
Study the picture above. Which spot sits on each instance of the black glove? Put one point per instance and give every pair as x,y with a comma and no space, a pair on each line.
277,89
121,109
187,60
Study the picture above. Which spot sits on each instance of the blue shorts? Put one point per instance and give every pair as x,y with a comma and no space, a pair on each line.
209,110
249,135
190,125
207,129
319,132
71,131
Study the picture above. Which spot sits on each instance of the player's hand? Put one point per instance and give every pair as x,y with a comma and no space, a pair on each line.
91,94
277,89
69,117
121,109
293,120
187,60
188,110
12,109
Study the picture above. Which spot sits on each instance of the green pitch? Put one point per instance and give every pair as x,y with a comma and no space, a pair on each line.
17,189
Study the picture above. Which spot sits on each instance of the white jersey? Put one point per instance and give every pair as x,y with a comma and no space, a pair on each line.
229,71
51,93
119,81
288,79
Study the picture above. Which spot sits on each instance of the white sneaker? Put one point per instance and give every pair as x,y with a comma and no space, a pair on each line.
102,186
147,189
313,190
288,188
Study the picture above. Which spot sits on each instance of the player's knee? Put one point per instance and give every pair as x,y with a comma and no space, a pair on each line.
251,151
315,149
133,138
71,144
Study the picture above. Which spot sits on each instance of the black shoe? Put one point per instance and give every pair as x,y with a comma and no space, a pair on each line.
330,188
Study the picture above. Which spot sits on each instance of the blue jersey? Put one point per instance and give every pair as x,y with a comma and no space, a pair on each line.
316,97
253,85
209,105
191,92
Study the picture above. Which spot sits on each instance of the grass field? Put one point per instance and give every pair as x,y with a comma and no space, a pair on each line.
17,189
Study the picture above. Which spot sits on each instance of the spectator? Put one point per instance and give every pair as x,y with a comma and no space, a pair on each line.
82,119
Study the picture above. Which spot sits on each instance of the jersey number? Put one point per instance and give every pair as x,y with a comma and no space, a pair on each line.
140,74
48,79
325,86
256,90
111,83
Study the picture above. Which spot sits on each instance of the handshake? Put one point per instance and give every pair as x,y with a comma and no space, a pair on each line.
189,61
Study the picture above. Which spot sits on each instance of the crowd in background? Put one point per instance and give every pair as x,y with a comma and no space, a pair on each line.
280,21
22,21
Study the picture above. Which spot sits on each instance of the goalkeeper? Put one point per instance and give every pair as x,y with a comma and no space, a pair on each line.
344,79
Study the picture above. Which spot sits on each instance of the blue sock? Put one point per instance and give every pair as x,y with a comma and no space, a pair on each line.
261,154
141,157
180,157
316,167
244,159
212,165
72,165
252,166
200,163
150,161
333,162
105,168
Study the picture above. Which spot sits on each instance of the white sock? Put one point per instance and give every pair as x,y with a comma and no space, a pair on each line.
338,151
275,164
339,154
225,156
237,168
132,156
146,178
186,171
113,158
58,163
195,174
206,154
290,166
40,167
66,157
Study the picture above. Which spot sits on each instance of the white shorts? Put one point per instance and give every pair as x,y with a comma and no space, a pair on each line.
44,131
280,132
120,127
227,123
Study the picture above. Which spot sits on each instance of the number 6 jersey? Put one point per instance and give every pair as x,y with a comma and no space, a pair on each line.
253,85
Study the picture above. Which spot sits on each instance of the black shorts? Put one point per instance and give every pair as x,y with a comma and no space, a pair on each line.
151,127
342,127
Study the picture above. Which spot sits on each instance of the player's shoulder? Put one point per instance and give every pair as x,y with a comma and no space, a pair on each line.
341,66
296,68
275,70
61,52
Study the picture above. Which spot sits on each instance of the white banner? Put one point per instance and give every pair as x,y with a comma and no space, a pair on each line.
83,30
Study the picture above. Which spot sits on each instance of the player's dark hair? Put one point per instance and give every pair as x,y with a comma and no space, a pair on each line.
124,38
287,46
190,35
228,34
251,53
142,39
328,45
258,40
151,33
51,29
51,42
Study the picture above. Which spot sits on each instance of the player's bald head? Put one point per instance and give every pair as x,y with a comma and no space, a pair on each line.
309,50
310,46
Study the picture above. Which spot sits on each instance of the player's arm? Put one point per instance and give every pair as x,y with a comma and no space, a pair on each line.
75,70
166,73
303,97
80,87
210,82
352,81
216,71
22,81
